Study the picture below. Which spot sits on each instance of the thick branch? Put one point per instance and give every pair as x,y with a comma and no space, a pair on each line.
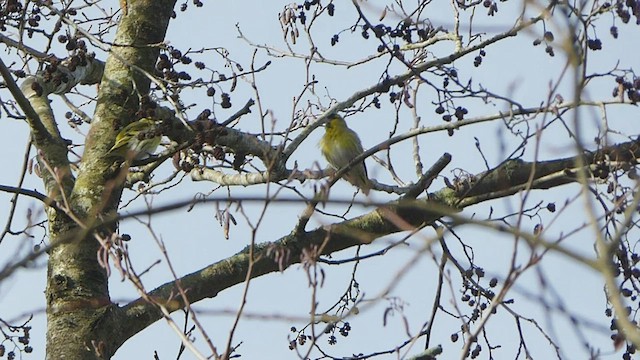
392,218
52,148
513,176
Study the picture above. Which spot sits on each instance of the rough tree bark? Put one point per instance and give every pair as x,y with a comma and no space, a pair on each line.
77,290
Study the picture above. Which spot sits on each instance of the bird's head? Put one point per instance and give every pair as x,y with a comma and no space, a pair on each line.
335,122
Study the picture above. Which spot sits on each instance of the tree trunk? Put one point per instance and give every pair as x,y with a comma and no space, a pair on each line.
78,303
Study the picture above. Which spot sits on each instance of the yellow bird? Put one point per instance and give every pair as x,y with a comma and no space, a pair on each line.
137,140
340,145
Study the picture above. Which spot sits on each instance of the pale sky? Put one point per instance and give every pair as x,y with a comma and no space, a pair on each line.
281,300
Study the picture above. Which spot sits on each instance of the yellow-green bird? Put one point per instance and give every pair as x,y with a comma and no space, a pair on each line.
340,145
137,140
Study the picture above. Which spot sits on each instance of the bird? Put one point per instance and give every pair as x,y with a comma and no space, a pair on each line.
340,145
137,140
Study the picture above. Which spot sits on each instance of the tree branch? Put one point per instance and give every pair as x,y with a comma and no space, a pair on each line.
280,254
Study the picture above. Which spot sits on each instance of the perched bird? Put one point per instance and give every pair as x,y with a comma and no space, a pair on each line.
339,146
137,140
